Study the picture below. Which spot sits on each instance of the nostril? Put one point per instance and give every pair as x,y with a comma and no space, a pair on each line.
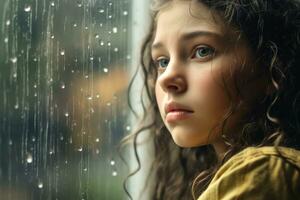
173,88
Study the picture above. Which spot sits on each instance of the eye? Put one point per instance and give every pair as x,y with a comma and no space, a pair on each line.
203,52
162,63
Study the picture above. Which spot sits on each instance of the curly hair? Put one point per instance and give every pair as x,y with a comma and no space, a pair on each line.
272,29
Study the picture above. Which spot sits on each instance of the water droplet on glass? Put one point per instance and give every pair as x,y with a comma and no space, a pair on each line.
61,138
52,3
109,44
97,151
35,59
79,4
109,16
14,59
52,36
27,8
75,25
110,3
125,13
86,28
40,185
7,23
91,58
90,98
15,75
62,52
97,96
33,139
85,169
101,11
115,29
114,173
108,104
6,40
116,49
35,85
128,57
80,149
35,94
97,140
97,36
105,70
51,152
63,86
101,43
10,142
86,76
83,132
29,158
112,162
128,128
16,106
67,114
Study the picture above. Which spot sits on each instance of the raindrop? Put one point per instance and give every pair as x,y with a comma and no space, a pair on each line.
35,86
109,16
101,10
86,76
114,173
33,139
74,25
51,152
35,59
6,40
16,106
67,114
15,75
110,3
90,98
97,36
85,169
125,13
80,149
83,132
35,94
61,138
29,158
108,104
105,70
128,57
116,49
86,28
101,43
97,151
112,162
79,4
91,58
63,86
52,3
7,23
97,140
115,29
10,142
27,8
52,36
109,44
128,128
62,52
40,185
14,59
97,96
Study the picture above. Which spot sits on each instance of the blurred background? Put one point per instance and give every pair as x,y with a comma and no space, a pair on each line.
64,70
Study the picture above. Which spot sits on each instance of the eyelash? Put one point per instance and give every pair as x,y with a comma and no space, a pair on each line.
211,53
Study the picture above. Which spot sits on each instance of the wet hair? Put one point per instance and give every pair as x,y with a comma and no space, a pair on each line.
272,30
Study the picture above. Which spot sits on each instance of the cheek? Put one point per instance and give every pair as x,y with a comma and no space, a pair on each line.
159,94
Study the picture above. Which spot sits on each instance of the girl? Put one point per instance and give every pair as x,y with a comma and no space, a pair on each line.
223,79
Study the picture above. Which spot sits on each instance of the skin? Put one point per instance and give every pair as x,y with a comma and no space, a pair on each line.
190,73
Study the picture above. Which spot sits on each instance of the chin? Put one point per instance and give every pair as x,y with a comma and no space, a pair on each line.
187,143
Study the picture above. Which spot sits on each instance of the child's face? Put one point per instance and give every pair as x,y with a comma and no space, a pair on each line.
193,56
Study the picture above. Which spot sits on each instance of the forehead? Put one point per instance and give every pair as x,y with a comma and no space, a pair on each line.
186,16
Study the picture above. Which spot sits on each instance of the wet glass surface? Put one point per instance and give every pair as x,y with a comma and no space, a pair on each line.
63,78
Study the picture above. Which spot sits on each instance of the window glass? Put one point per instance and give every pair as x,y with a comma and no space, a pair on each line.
64,68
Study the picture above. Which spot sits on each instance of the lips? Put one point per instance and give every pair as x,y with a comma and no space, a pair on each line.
176,112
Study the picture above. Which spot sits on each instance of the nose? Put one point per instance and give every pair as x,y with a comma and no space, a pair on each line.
173,79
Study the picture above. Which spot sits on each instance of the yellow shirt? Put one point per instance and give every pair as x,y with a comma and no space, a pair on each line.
257,174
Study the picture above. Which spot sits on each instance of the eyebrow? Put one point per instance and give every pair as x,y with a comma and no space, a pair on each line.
189,36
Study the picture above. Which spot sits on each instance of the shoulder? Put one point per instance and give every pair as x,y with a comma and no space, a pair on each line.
257,173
